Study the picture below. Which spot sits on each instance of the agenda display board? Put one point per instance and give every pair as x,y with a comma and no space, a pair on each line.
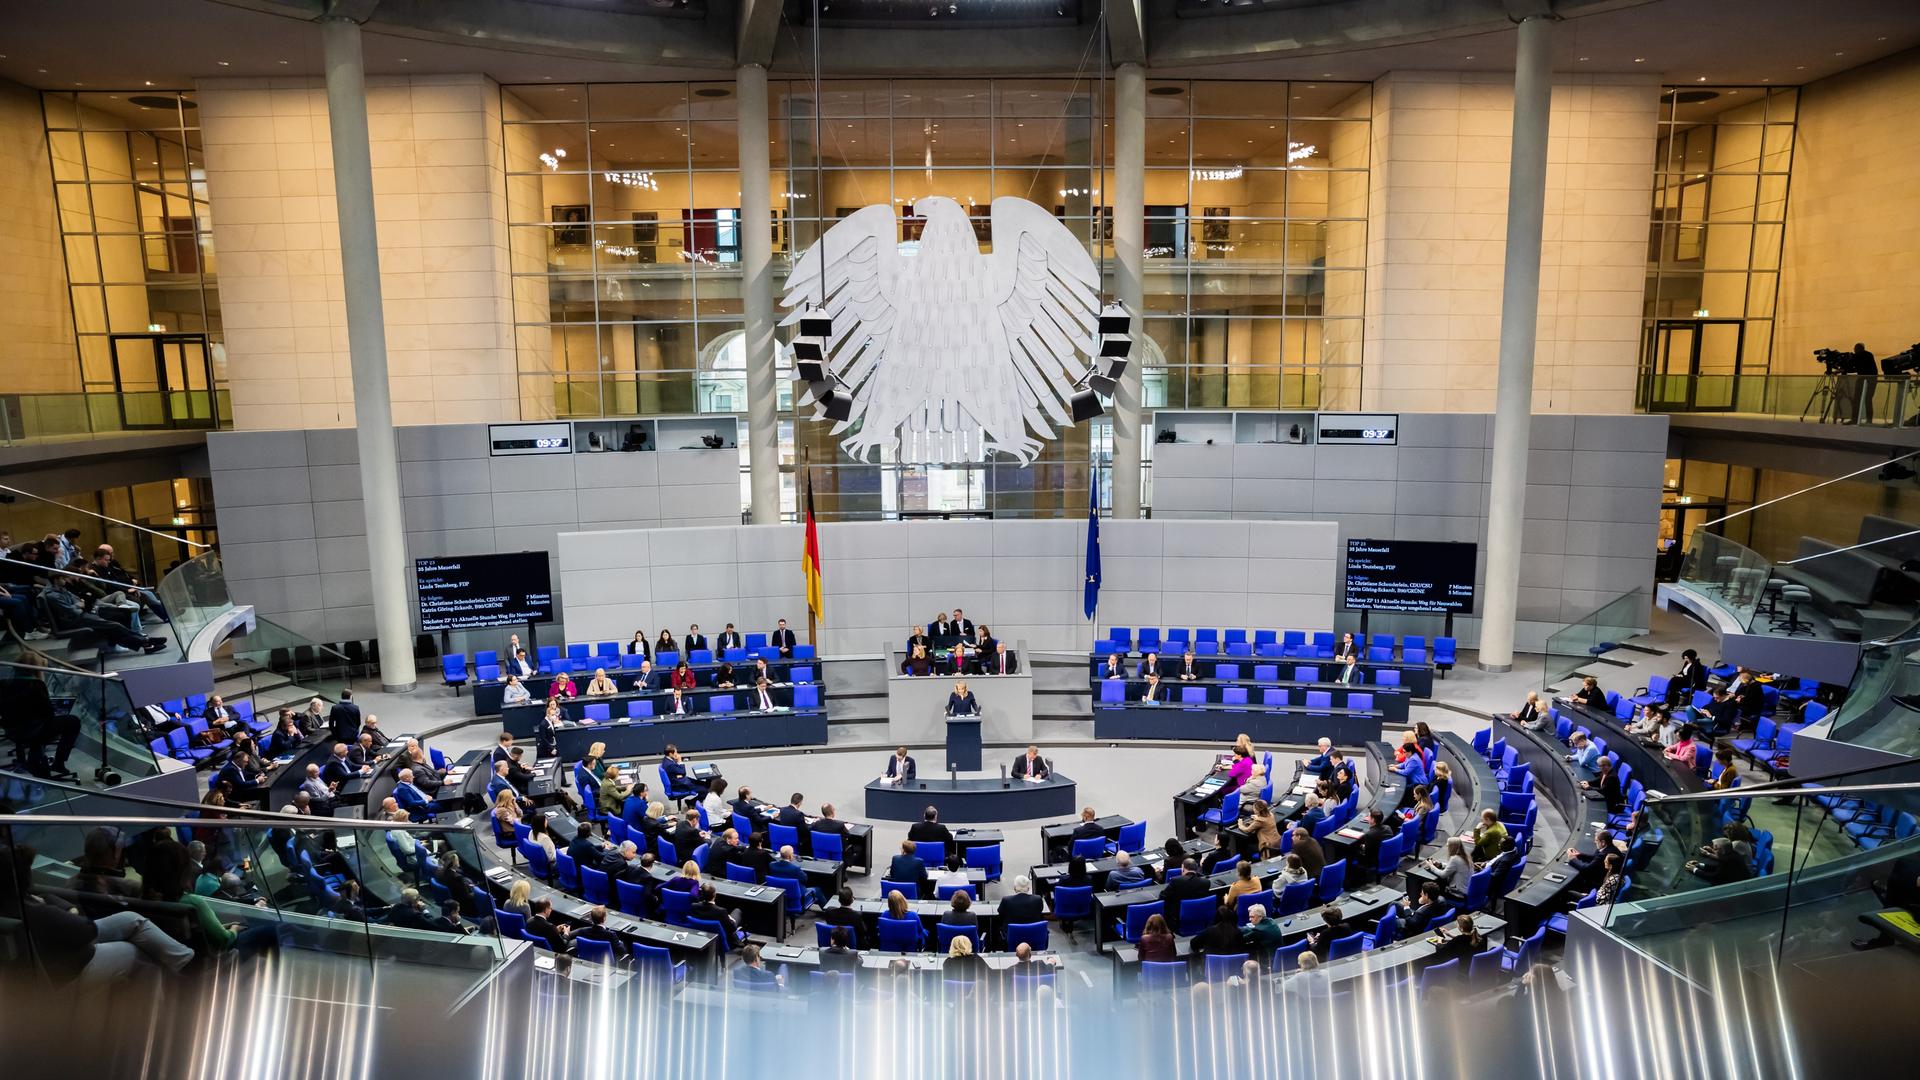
1430,577
470,592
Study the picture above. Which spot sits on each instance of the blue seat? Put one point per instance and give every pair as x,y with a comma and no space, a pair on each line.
1136,921
629,897
1222,967
1446,974
453,671
1351,945
1306,674
569,872
536,857
1193,695
944,935
1319,699
1333,879
1228,810
1359,701
700,656
806,696
714,928
1287,957
949,891
655,962
599,712
637,710
720,703
511,924
1226,672
779,836
1133,837
593,950
985,857
1389,860
1033,934
1090,848
827,845
932,852
1295,897
1233,695
675,906
1113,691
742,874
1263,898
901,935
1168,975
1239,648
1266,673
793,891
1379,654
1444,654
1071,903
1274,697
800,674
1195,915
908,889
1386,931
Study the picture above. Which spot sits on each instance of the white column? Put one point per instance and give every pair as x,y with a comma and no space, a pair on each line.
1519,308
756,294
367,342
1128,198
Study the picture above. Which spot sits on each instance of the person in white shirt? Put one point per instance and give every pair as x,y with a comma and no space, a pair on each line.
763,697
515,694
718,809
678,707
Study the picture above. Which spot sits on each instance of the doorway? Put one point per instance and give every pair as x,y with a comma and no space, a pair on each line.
1679,517
163,381
1693,365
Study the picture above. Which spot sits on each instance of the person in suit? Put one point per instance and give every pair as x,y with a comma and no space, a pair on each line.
320,793
1089,826
1378,832
782,639
1124,872
678,705
1002,662
1150,665
1312,858
339,768
841,916
501,782
1021,905
725,848
1152,690
827,823
917,637
900,767
417,803
513,647
729,639
1347,650
502,751
907,866
791,814
541,924
763,697
756,856
518,774
839,954
362,754
519,664
929,830
1585,756
1607,783
961,701
1528,710
638,646
1114,668
1222,936
344,719
694,639
1189,669
686,836
1414,917
786,864
1334,926
962,626
1312,813
705,908
760,671
1190,885
1031,766
664,643
1502,863
585,849
939,629
1321,764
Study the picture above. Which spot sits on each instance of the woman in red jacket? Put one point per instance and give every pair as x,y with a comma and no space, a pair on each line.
682,676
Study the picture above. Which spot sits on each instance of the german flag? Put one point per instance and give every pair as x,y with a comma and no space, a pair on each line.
810,558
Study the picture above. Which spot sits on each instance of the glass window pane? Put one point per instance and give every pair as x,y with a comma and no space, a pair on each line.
123,258
556,148
561,101
1722,295
952,97
840,98
1777,148
61,111
1027,98
1728,247
1771,201
617,195
1166,188
1761,291
933,142
1766,246
637,101
712,101
127,309
76,209
1251,144
1166,98
1782,105
1315,144
65,149
1211,98
714,144
83,261
1339,100
89,309
1167,142
638,147
968,187
846,143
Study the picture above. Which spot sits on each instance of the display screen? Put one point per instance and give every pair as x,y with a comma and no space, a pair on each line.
1374,429
1429,576
468,592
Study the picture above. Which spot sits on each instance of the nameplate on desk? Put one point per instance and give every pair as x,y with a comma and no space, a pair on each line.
500,874
464,823
1351,834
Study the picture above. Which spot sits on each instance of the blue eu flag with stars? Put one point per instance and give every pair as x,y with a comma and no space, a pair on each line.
1093,544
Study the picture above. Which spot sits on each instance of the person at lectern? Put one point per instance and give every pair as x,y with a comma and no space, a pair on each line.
1031,766
900,767
782,639
961,702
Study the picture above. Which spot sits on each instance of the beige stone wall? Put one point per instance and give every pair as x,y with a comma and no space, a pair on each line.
441,201
39,355
1436,241
1851,267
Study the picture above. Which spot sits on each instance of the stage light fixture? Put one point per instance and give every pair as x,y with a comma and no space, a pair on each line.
1086,406
1103,385
835,404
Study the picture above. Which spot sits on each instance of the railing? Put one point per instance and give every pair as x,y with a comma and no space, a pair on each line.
195,594
1573,646
305,661
1733,575
26,418
1811,860
1886,401
1875,713
323,883
110,737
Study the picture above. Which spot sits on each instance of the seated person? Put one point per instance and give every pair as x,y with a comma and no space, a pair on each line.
601,686
900,767
839,954
787,865
1585,753
1031,766
1684,747
1124,873
1114,668
1150,665
723,676
562,688
705,908
1591,695
1152,691
1189,669
1528,710
514,693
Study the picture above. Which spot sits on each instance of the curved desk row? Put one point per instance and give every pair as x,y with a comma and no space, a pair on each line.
1415,677
696,731
1289,726
487,694
876,962
1394,702
959,801
521,720
1647,762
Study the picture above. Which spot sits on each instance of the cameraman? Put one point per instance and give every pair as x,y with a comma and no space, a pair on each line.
1866,374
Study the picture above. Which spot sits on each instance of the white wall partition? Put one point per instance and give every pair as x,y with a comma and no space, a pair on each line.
1022,578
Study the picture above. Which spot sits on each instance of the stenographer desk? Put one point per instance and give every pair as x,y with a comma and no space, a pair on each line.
966,800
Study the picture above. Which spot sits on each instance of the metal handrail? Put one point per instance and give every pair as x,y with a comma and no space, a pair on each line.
102,517
251,818
111,676
265,817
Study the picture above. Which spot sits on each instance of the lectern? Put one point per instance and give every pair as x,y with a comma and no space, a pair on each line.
963,744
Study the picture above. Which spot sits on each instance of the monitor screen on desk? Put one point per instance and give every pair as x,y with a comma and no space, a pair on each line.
1429,576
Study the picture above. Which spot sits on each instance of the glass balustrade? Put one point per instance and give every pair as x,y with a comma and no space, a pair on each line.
1576,644
111,738
1732,575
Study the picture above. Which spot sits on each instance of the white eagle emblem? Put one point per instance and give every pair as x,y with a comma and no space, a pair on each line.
949,354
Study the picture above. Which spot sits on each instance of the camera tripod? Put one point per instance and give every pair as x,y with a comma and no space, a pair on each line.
1827,397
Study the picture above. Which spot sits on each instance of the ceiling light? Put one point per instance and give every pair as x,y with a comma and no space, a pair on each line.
1582,59
149,82
1639,59
1702,78
223,63
283,61
1469,57
404,60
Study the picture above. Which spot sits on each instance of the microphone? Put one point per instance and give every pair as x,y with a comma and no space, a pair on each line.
1003,774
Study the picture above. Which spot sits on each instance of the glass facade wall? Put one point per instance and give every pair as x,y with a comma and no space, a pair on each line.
130,182
1713,247
623,204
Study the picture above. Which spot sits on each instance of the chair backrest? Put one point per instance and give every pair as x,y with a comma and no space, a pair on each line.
806,696
536,857
700,656
1359,701
1138,914
1295,897
779,836
1226,672
933,852
1389,859
1133,836
1444,650
949,891
800,673
742,874
1287,957
1193,695
593,885
1195,915
944,935
1091,847
1478,887
827,845
720,703
1264,898
1440,974
1072,901
1164,975
630,897
1176,636
713,928
1319,699
901,935
1346,946
569,871
639,709
1387,677
1033,934
454,667
1333,878
1113,691
599,711
593,950
1233,695
1306,674
1220,968
1380,654
792,890
675,904
908,889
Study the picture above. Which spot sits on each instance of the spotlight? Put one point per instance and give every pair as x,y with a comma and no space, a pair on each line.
813,323
1086,406
1103,386
810,371
1115,320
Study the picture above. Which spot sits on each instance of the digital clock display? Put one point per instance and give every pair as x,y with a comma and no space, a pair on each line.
506,440
1372,430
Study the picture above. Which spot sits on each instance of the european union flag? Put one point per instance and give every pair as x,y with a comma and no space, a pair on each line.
1093,544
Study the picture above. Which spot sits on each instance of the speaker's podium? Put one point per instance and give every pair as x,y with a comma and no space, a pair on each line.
963,743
